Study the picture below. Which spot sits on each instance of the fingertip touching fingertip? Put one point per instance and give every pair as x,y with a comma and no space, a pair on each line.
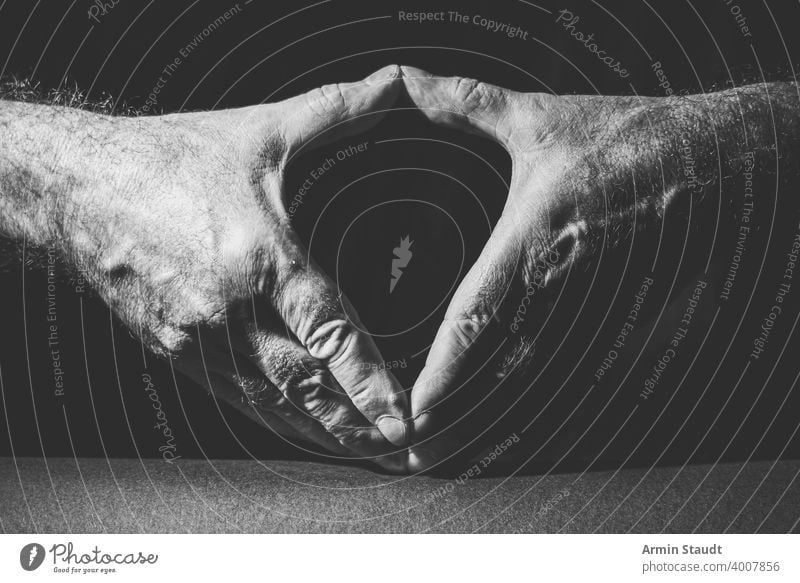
409,72
385,74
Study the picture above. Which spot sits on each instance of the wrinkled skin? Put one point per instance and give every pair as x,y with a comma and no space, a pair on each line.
595,178
179,223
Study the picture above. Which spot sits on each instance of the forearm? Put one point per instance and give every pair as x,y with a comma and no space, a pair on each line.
738,143
737,170
758,122
750,156
47,155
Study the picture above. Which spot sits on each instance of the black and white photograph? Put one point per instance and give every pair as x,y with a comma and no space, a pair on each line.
349,267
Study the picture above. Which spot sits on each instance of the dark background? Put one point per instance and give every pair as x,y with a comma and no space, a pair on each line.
273,50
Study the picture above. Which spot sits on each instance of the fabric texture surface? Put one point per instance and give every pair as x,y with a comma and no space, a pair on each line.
125,495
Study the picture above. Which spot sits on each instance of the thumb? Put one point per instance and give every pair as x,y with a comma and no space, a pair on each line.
332,112
463,104
453,382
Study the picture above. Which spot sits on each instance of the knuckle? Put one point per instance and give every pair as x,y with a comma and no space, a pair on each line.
319,403
167,340
301,383
554,255
331,341
465,329
170,324
474,96
215,314
348,435
326,406
326,100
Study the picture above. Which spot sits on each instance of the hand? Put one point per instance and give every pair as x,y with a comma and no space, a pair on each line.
179,222
603,188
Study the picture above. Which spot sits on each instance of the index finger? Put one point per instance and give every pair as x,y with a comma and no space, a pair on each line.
328,327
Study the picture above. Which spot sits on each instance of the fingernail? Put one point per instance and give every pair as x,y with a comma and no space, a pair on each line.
393,429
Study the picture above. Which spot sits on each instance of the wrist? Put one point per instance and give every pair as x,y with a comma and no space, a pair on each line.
66,173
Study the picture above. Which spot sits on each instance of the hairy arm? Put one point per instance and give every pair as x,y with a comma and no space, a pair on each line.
712,137
40,152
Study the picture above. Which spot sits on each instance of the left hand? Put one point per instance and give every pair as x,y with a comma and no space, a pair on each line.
594,180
